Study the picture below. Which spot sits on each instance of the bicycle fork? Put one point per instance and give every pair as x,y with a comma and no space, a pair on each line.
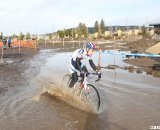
85,82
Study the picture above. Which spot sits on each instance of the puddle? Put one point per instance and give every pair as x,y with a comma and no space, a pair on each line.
126,98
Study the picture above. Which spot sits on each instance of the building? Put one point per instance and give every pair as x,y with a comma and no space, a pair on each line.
43,37
156,26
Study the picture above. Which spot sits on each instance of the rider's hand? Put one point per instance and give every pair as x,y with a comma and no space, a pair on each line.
81,73
99,74
98,68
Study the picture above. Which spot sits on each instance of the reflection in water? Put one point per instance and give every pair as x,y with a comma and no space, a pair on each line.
131,69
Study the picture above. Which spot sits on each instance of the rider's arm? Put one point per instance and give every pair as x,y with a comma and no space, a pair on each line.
81,69
78,63
92,64
94,67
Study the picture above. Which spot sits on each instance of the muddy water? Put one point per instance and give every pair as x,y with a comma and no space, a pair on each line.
129,101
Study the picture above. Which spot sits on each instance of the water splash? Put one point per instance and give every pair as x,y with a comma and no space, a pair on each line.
66,95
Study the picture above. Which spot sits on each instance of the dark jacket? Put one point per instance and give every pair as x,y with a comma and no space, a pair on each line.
4,41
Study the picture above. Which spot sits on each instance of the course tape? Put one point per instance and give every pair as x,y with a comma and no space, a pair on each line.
133,54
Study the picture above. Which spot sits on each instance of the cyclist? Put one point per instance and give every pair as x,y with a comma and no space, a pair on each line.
76,64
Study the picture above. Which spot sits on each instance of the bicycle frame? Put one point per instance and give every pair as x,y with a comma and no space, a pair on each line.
87,91
85,82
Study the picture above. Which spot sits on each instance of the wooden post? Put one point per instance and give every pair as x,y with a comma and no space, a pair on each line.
114,64
2,54
28,43
73,42
19,46
79,42
114,53
35,43
45,42
63,41
53,42
99,59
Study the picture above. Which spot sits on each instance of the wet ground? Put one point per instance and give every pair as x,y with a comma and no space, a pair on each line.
130,101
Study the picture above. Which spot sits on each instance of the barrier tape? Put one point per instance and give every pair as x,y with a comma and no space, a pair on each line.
133,54
28,44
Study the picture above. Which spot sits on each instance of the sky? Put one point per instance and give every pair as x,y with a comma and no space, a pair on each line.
46,16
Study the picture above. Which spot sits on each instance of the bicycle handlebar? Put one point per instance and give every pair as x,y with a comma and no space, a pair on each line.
99,76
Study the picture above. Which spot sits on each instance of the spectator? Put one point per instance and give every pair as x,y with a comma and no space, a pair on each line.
4,41
9,42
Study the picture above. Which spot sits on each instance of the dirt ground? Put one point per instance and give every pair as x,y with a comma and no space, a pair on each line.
14,53
154,49
147,64
140,46
13,66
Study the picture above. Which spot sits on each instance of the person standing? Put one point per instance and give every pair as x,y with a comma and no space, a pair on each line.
9,42
4,41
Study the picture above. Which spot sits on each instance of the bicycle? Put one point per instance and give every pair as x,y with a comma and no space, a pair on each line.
86,91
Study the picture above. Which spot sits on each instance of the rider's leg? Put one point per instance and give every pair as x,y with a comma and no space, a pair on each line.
74,79
73,71
84,69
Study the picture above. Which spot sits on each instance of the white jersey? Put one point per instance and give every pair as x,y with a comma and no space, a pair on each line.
80,53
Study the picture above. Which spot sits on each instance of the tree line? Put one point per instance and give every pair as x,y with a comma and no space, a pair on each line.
21,36
82,30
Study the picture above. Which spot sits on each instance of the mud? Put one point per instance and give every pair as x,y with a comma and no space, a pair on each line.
30,100
140,46
147,64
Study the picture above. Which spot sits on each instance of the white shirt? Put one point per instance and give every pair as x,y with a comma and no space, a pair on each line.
80,53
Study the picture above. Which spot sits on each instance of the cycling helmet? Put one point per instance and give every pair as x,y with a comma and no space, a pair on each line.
90,45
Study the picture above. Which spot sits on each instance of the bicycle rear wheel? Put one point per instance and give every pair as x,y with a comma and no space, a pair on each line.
91,96
66,81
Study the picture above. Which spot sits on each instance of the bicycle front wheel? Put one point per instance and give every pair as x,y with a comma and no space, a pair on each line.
91,96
